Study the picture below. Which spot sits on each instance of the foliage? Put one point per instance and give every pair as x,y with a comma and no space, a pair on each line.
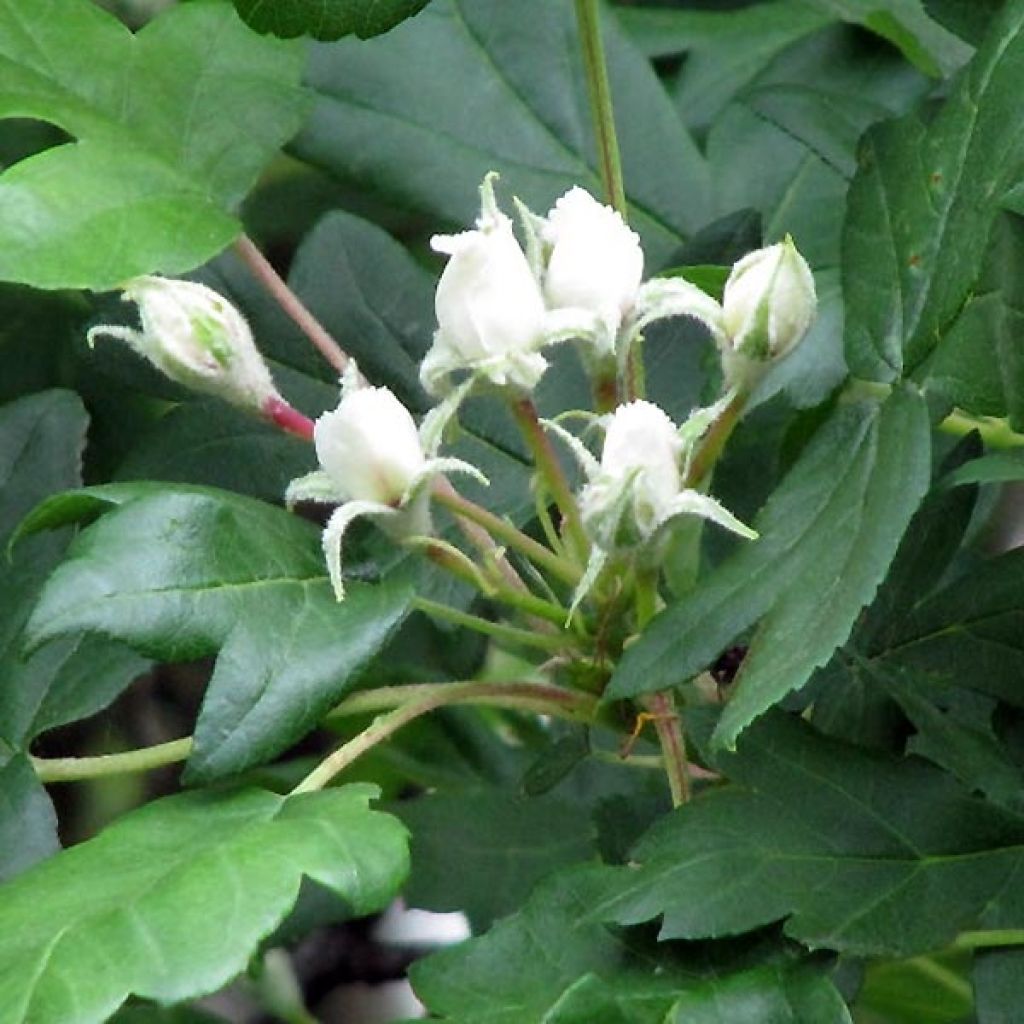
546,640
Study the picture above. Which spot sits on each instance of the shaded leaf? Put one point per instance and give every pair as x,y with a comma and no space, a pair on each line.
828,534
169,137
998,985
392,116
489,834
859,852
171,901
28,823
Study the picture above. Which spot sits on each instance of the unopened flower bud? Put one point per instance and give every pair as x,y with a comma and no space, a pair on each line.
490,310
640,458
197,338
769,302
369,446
595,262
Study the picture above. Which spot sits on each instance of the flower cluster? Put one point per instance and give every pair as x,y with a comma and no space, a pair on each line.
578,276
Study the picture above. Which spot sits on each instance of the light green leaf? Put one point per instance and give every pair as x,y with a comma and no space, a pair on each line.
171,901
327,19
179,575
922,208
828,534
863,853
394,116
994,468
169,136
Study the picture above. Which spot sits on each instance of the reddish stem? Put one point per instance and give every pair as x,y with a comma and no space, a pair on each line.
282,415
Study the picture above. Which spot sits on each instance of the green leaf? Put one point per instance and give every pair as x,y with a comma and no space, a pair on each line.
394,117
179,575
327,19
906,25
858,852
492,834
998,985
552,962
971,632
28,823
169,136
170,902
828,534
213,444
994,468
41,441
726,50
921,210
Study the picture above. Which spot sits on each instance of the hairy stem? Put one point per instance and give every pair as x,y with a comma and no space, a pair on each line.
715,440
550,469
588,20
550,642
75,769
269,278
495,526
422,702
290,420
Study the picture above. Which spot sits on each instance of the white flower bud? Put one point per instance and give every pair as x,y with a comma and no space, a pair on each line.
596,262
197,338
769,302
369,447
490,310
640,457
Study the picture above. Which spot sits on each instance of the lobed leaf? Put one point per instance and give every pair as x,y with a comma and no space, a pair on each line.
183,574
172,900
169,135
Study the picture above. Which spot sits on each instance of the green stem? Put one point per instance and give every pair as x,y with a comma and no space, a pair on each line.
540,698
990,939
661,706
74,769
714,440
994,432
388,724
588,20
552,643
514,538
550,469
451,559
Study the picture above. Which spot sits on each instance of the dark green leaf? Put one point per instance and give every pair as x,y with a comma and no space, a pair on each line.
171,901
394,116
327,19
28,824
214,444
726,50
554,963
182,574
859,852
41,441
828,534
489,834
906,25
970,632
170,136
999,985
922,207
969,19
